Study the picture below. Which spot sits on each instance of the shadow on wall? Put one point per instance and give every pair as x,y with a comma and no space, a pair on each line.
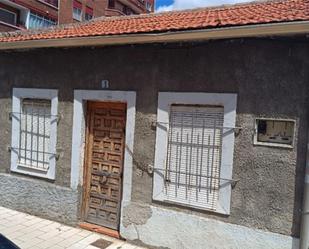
299,178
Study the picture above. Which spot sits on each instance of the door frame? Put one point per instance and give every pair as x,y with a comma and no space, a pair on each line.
78,137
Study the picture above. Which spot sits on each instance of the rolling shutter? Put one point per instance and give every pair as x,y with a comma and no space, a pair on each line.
35,134
192,174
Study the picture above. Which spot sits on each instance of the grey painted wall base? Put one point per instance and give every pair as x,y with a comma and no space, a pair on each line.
39,198
176,230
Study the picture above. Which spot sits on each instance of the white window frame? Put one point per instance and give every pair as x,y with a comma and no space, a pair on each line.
31,93
269,144
229,102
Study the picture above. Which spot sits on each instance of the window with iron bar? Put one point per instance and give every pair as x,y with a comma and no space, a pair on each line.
193,155
34,132
195,134
35,120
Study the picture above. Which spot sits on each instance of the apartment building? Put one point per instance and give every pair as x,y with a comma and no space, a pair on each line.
34,14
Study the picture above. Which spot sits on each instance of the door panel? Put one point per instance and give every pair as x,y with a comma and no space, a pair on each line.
104,163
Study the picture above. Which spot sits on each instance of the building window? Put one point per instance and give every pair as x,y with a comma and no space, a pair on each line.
274,132
89,13
51,2
194,150
148,6
127,11
35,119
37,21
77,10
34,132
8,17
193,155
111,4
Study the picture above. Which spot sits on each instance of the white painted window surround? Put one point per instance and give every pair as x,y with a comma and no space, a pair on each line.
30,93
78,136
229,103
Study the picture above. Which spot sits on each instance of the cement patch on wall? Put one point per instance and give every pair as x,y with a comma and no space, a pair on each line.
137,214
39,198
176,230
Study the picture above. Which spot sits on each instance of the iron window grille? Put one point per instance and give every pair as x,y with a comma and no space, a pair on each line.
192,173
34,134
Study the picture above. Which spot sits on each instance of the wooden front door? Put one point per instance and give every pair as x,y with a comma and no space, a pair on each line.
105,143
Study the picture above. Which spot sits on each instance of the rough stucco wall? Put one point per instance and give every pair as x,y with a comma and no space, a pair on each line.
39,198
64,144
271,80
27,76
255,167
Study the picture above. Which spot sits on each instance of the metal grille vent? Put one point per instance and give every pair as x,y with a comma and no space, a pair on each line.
192,174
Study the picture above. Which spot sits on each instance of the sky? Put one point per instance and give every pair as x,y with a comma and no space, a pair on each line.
167,5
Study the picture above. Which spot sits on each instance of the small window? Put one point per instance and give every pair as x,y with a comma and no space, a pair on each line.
34,132
89,13
8,17
111,4
77,10
274,132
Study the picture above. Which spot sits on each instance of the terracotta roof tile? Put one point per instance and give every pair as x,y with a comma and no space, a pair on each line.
224,16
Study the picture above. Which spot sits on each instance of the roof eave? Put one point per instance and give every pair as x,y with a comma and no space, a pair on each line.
274,29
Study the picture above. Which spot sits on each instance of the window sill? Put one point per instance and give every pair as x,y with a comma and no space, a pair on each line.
32,173
11,26
274,145
115,11
182,207
30,168
77,20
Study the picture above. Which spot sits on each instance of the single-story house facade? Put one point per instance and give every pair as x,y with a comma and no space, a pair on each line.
183,129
